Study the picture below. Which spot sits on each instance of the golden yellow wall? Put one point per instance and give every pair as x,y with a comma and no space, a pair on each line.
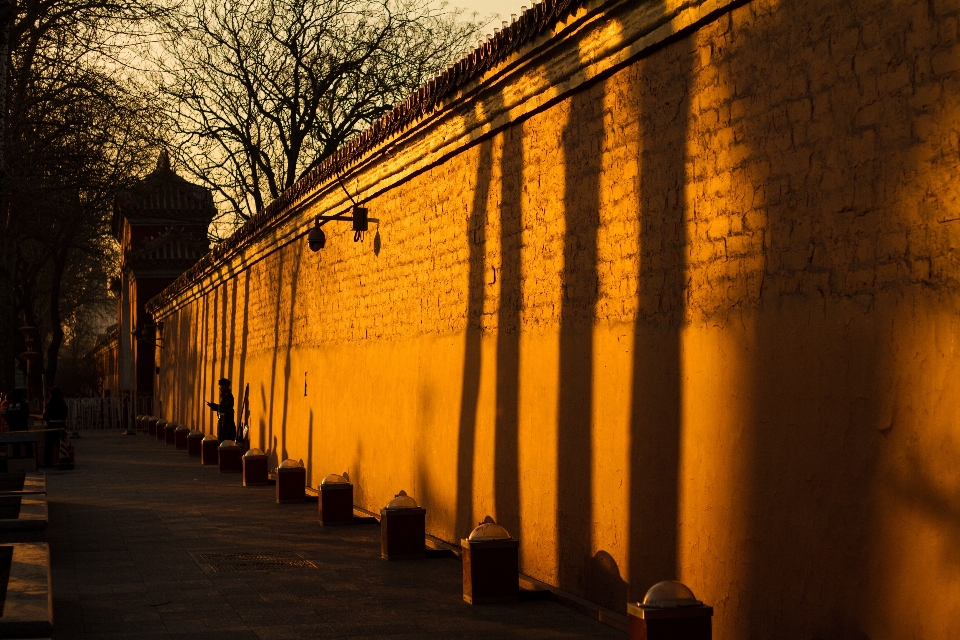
697,319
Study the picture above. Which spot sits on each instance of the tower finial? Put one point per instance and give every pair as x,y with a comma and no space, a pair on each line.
163,161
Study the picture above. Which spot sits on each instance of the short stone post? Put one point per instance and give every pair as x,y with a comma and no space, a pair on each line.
255,468
670,611
491,565
170,433
229,457
403,529
336,500
291,482
194,443
180,435
209,453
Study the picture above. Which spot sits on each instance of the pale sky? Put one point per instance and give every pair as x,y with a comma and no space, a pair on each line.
488,7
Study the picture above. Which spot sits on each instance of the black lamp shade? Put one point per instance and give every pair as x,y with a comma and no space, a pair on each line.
317,239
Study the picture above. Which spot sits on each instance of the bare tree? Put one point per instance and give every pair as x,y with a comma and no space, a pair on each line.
262,91
73,132
84,145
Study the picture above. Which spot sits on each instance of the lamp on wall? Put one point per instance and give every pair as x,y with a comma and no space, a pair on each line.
317,239
360,218
140,333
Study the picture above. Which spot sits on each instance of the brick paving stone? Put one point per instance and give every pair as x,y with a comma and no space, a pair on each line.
128,526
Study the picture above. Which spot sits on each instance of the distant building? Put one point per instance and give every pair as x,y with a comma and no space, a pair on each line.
105,355
161,224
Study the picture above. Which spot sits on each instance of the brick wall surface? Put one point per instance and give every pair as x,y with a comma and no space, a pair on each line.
695,319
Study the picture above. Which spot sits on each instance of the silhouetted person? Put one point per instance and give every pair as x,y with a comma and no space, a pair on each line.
55,415
17,413
226,429
124,412
55,411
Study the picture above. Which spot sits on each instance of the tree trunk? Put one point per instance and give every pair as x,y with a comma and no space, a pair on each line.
56,322
8,319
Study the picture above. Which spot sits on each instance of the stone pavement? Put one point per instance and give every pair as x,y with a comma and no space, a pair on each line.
128,528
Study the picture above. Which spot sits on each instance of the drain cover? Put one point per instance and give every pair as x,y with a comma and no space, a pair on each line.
237,562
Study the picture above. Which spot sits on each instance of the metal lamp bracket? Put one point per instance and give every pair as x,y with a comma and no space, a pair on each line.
317,239
359,219
137,333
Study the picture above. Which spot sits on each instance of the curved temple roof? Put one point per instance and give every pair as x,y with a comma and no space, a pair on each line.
175,249
164,197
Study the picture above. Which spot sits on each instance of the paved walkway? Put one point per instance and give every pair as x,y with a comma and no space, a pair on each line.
128,528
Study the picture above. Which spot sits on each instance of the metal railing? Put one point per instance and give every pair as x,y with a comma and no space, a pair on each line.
87,414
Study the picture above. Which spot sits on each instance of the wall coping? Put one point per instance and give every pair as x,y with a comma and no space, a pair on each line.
550,52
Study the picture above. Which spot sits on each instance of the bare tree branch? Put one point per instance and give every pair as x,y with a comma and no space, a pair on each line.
261,91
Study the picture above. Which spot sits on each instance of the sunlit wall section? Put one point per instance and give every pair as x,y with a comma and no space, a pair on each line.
670,293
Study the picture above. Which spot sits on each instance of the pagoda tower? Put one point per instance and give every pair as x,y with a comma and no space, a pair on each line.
162,224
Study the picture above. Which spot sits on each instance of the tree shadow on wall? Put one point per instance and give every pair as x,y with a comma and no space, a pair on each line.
283,336
582,147
655,424
244,327
825,327
178,379
230,334
506,432
661,86
466,432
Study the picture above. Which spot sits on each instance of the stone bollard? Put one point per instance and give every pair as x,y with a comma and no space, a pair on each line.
255,468
292,482
336,500
180,435
670,611
152,426
68,456
161,428
194,443
403,529
209,450
229,457
491,565
170,433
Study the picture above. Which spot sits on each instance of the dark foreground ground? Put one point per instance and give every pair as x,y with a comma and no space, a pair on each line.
133,530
